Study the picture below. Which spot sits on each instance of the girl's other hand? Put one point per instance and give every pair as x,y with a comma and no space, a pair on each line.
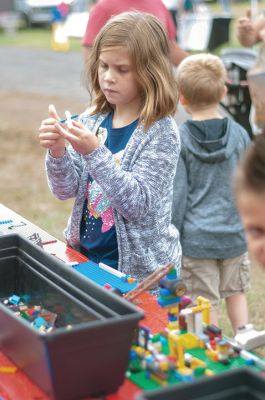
49,135
81,139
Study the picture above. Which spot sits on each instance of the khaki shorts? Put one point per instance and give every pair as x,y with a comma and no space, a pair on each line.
216,279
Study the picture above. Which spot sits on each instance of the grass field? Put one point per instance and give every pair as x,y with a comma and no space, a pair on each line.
36,37
23,184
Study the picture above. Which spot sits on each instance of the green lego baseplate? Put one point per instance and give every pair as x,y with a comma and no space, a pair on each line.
140,373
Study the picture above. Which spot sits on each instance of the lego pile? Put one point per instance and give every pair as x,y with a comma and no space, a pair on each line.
39,317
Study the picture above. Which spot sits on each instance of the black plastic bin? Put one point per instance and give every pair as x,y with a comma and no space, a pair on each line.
91,357
238,384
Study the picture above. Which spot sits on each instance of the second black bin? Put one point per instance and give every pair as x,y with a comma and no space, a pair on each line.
237,384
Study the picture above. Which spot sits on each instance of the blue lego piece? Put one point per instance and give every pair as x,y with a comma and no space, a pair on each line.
7,221
14,299
39,322
172,317
163,340
102,277
183,378
133,355
147,374
250,362
163,302
165,292
172,277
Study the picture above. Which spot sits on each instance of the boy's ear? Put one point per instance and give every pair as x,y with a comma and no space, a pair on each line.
225,91
182,100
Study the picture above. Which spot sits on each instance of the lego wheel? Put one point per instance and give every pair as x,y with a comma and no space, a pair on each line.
181,289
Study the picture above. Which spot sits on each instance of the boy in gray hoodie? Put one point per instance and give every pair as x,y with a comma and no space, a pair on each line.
215,260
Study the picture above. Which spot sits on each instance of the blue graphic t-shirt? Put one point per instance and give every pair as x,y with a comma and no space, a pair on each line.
97,232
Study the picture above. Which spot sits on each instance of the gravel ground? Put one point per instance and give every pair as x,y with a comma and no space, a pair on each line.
47,74
30,80
43,72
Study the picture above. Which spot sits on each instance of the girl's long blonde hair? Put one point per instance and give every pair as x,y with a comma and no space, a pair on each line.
145,39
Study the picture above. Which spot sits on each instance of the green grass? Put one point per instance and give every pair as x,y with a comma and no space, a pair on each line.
41,37
38,38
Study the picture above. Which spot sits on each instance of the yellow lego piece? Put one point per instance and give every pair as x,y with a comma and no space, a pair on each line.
196,362
209,372
164,366
173,310
189,340
173,326
185,371
8,370
212,355
159,380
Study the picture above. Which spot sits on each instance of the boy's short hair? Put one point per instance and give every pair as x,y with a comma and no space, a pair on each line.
201,79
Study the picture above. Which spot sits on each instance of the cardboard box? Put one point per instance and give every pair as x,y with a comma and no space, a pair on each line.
91,357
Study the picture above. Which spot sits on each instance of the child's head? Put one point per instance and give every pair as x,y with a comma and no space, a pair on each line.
249,185
201,80
145,41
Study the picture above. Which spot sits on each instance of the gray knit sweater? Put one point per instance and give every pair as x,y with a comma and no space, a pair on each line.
140,190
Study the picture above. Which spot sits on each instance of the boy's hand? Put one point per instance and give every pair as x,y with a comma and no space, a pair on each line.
49,135
81,139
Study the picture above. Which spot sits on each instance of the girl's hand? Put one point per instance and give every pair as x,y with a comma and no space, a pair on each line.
81,139
49,135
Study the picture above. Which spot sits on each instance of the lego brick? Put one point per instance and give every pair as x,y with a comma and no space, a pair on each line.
12,222
101,276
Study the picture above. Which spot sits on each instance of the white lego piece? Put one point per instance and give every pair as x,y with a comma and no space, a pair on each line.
249,338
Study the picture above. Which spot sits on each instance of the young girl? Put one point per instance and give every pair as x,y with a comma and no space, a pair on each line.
122,156
250,195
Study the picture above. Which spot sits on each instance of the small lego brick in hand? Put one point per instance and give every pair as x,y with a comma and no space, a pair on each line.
68,119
